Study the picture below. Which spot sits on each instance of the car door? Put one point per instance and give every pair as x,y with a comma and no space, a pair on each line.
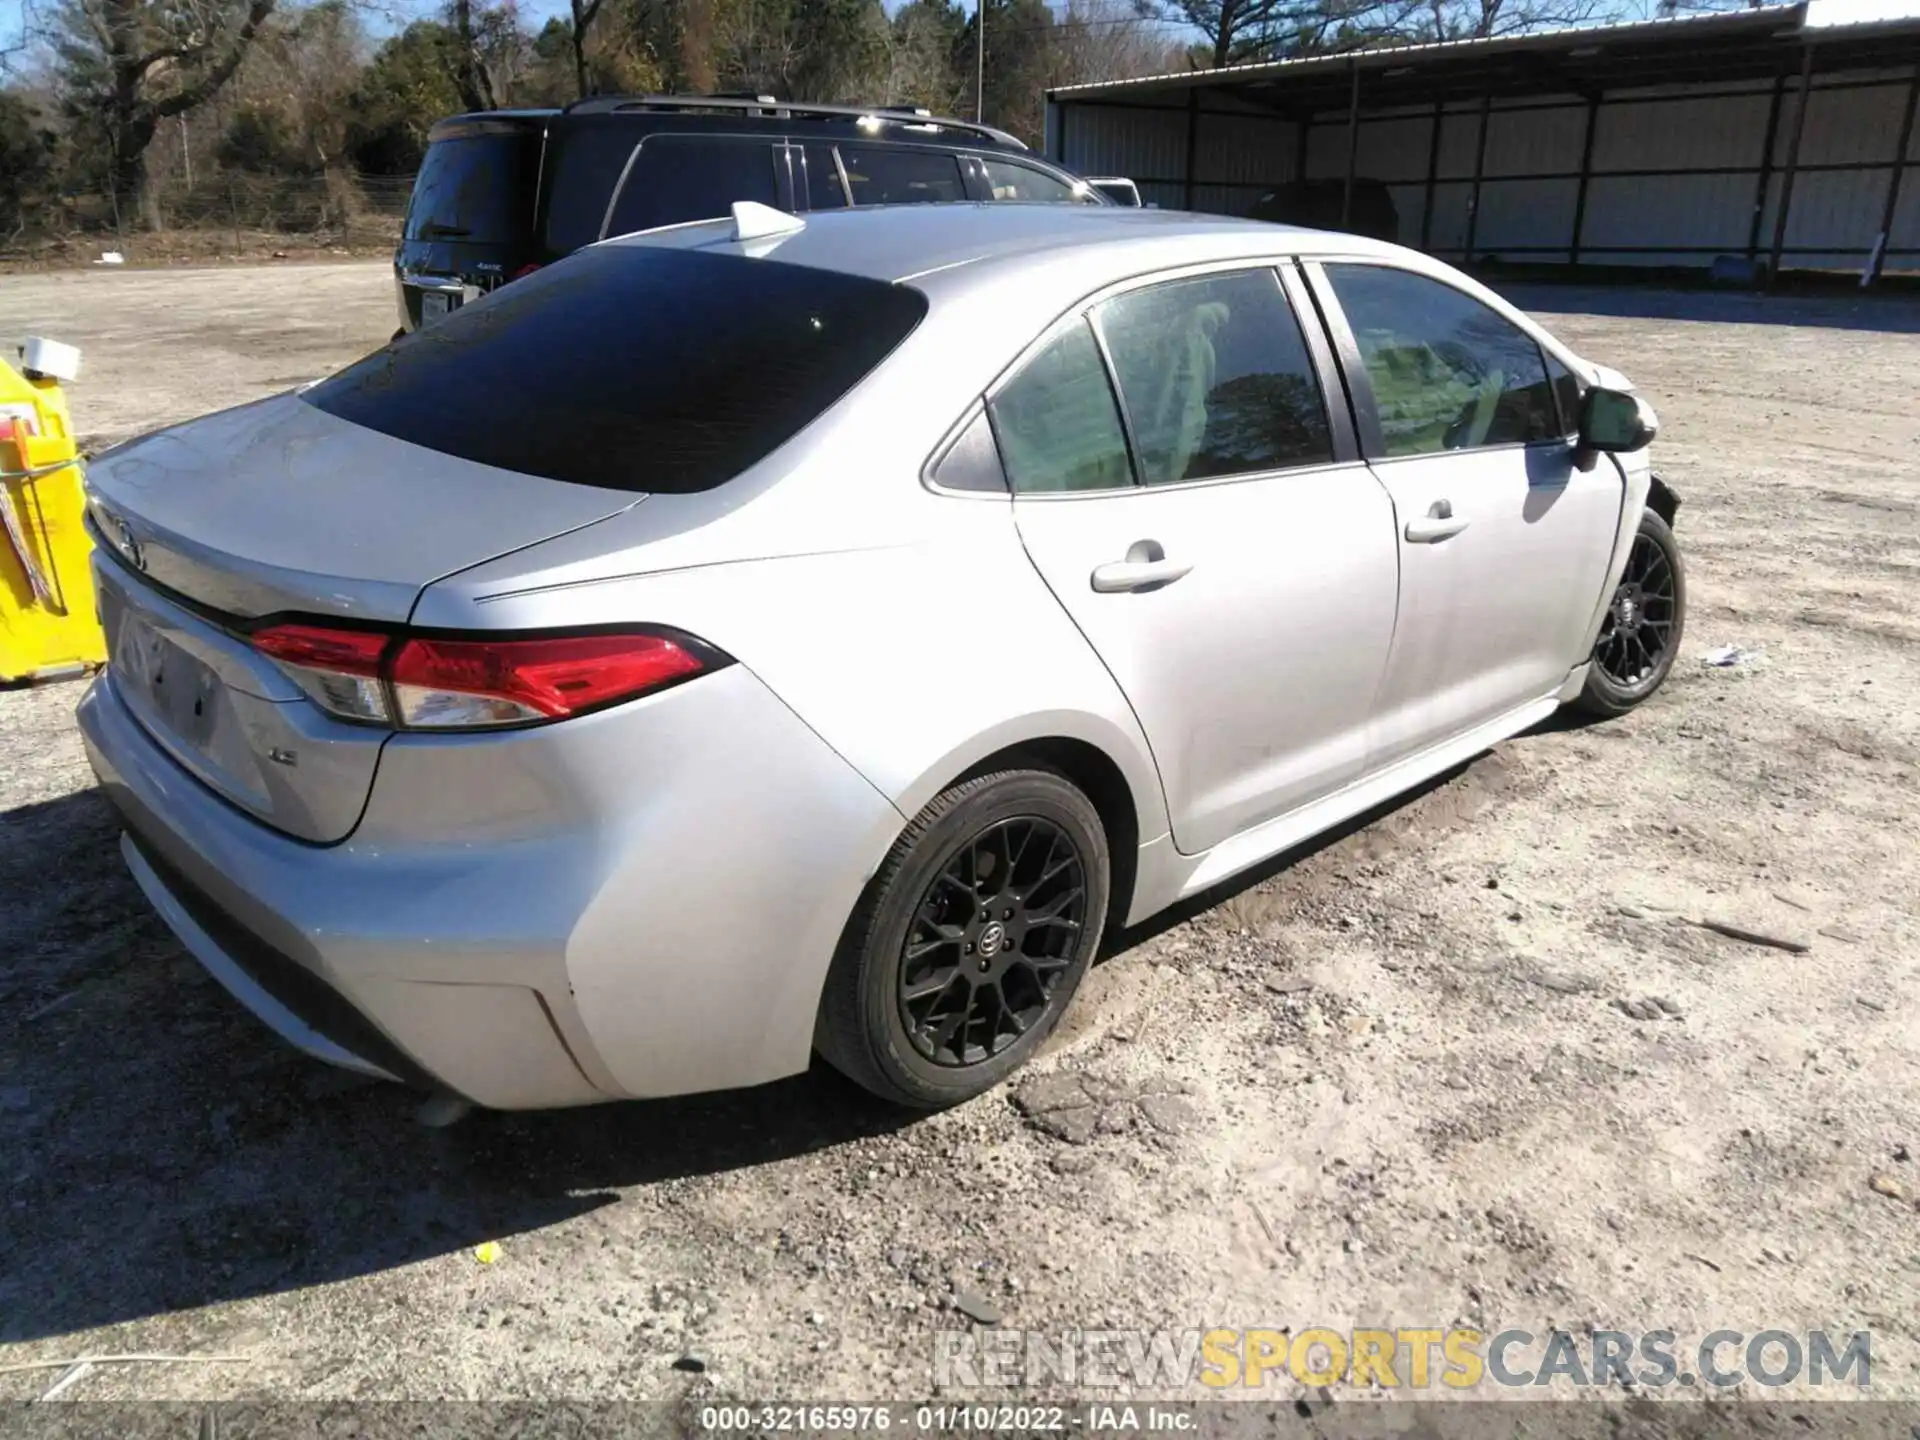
1504,540
1183,488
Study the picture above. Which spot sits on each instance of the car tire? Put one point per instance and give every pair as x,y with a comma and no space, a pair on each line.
967,946
1645,622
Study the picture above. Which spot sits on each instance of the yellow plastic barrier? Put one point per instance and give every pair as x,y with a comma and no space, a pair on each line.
49,625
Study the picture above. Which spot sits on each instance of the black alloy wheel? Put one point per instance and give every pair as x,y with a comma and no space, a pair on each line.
1640,632
968,944
991,939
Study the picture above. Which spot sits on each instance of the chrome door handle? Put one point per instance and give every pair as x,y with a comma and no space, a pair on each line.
1120,575
1437,524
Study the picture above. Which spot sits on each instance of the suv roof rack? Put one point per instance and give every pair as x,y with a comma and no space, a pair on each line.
785,109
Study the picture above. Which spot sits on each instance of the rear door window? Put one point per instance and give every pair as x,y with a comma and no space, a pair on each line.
1008,180
1216,378
631,367
477,189
823,187
677,178
1057,423
901,177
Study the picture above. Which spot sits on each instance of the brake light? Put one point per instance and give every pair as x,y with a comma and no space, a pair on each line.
339,669
436,682
458,683
524,270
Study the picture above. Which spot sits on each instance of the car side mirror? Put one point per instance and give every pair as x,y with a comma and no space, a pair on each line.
1615,421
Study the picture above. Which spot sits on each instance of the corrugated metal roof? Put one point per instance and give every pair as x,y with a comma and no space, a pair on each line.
1873,12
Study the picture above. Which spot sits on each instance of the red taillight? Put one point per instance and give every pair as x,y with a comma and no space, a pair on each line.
316,647
441,682
468,682
523,271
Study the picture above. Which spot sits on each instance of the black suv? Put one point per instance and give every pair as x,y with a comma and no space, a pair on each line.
504,192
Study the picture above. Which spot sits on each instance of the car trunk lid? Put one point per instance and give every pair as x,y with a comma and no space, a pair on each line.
279,508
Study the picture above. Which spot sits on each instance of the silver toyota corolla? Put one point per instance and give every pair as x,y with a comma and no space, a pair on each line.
764,636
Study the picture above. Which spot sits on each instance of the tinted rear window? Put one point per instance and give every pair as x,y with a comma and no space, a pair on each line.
631,368
477,189
676,178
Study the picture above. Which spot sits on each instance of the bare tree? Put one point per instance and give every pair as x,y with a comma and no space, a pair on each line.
130,64
584,14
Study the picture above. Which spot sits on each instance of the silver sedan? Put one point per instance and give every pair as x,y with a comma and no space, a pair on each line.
769,636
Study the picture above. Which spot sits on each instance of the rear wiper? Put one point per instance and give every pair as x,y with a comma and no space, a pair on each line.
434,227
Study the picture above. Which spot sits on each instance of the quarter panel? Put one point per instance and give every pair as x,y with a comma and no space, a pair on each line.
913,660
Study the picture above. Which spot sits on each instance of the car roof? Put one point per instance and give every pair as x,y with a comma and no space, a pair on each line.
923,242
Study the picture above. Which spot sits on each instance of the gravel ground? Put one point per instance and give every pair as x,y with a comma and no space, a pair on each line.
1468,1062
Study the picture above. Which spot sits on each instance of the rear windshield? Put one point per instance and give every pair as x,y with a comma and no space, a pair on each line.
630,367
477,189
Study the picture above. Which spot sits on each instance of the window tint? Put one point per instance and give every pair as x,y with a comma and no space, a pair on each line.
1057,423
1447,372
901,177
676,178
824,190
584,161
476,189
972,462
1566,389
1022,182
1216,377
630,367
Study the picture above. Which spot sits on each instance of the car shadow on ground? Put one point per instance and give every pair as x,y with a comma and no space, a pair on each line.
161,1150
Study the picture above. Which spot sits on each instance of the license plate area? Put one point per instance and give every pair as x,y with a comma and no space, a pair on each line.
182,694
434,305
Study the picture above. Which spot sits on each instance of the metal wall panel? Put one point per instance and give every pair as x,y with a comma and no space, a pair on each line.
1529,213
1107,140
1668,210
1256,151
1905,233
1409,204
1680,134
1837,209
1535,142
1218,200
1393,149
1844,126
1449,215
1459,138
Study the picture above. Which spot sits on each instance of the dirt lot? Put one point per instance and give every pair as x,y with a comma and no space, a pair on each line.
1406,1093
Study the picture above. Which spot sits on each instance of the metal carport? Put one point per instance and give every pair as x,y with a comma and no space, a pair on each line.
1783,136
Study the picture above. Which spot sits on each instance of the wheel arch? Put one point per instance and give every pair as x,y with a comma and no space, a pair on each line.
1662,499
1112,767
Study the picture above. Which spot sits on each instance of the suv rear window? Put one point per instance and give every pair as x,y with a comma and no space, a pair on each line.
477,189
631,367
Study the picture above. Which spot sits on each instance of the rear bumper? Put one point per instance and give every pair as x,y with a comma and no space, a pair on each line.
640,902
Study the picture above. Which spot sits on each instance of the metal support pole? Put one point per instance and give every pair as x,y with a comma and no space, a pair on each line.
1766,167
1885,237
980,62
1479,168
1586,174
1433,171
1353,145
1793,164
1193,144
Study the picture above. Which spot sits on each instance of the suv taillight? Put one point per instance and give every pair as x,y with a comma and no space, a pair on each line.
469,682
